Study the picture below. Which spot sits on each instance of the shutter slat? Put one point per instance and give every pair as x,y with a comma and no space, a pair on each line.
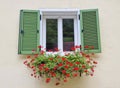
29,23
91,35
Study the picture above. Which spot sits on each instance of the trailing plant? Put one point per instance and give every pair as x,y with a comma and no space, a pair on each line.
61,67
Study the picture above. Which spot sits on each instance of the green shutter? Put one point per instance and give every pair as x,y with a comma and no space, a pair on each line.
29,31
90,33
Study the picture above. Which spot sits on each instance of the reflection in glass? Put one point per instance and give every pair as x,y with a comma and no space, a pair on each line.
68,34
51,34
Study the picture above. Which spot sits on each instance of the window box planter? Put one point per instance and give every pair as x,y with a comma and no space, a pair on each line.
61,67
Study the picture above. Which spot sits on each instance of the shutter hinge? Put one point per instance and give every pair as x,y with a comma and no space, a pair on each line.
22,32
37,31
40,17
79,16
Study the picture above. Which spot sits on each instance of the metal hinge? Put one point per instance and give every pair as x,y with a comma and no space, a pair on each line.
40,17
79,16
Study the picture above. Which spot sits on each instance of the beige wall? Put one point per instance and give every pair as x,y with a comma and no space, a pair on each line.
13,74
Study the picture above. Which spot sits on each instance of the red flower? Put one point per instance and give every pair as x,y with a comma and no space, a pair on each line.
63,71
86,46
51,58
91,74
88,56
68,75
86,71
92,69
53,74
46,69
67,62
94,62
83,54
32,60
77,62
57,83
60,64
66,67
40,47
48,80
35,55
65,80
63,59
56,49
75,74
33,67
42,52
77,46
70,64
55,68
31,74
42,65
92,47
50,50
73,48
76,69
25,62
33,50
88,61
83,66
40,68
28,56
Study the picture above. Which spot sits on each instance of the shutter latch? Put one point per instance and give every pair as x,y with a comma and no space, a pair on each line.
37,31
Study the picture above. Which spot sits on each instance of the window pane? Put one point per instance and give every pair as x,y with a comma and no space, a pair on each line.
68,34
51,34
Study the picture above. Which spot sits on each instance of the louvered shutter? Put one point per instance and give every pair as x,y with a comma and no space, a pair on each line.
90,33
29,31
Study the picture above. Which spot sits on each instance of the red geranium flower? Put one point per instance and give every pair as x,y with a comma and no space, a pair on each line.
92,69
66,67
75,74
65,80
63,71
63,59
86,46
67,75
83,66
94,62
76,69
42,52
55,68
73,48
48,80
56,49
77,62
60,64
86,71
46,69
40,47
28,56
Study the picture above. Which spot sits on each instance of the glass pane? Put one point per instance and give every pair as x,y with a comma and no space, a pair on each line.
68,34
51,34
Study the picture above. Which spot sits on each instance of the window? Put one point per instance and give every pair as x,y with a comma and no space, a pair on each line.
58,28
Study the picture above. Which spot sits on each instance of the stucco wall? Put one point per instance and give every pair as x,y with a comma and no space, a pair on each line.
13,74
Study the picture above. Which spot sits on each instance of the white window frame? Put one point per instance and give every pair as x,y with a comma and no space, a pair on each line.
59,14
